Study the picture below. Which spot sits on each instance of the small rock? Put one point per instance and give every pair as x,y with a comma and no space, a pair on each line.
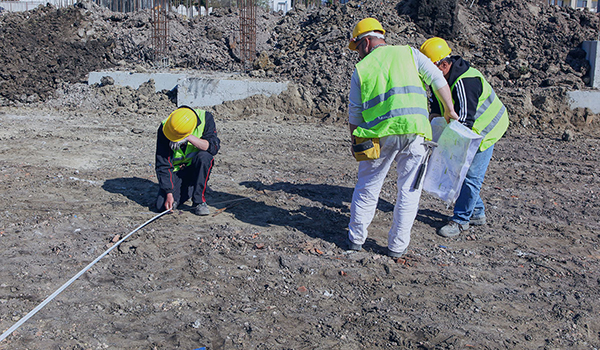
106,80
568,135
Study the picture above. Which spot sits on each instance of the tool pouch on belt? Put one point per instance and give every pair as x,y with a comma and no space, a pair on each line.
365,149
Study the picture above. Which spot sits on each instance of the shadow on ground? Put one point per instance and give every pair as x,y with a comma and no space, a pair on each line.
432,218
141,191
316,210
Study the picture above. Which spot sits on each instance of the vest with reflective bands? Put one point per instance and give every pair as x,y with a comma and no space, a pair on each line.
392,94
180,157
491,118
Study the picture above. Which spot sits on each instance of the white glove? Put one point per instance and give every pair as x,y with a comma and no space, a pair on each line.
178,145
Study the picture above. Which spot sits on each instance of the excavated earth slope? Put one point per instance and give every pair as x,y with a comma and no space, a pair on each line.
530,51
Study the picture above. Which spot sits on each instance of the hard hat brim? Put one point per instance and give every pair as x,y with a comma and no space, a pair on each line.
177,140
170,134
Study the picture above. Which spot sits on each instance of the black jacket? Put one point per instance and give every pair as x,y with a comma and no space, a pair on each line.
164,154
465,93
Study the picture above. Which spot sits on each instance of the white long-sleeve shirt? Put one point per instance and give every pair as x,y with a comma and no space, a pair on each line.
430,74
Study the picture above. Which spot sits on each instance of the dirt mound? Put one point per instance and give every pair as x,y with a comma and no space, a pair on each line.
531,63
41,48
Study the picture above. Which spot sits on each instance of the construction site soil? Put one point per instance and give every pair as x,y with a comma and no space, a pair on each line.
268,268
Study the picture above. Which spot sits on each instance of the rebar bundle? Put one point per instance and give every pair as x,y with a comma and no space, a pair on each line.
247,30
160,32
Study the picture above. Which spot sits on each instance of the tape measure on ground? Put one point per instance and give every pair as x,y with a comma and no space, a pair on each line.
64,286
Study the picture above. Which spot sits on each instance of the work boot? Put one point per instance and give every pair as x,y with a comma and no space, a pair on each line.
393,254
452,229
478,221
201,209
353,246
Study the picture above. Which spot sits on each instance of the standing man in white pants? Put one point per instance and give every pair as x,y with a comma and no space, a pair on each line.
389,120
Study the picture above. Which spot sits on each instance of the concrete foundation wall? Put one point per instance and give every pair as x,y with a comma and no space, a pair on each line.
210,92
592,55
162,81
589,99
585,99
196,90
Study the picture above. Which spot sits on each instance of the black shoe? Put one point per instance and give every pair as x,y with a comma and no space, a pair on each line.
201,209
478,221
452,228
393,254
353,246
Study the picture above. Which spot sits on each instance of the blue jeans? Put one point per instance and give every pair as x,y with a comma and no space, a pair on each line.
469,203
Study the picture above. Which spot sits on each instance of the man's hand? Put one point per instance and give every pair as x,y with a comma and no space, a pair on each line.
451,114
169,201
177,145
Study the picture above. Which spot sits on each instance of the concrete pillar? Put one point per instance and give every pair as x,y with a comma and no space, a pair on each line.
592,55
573,4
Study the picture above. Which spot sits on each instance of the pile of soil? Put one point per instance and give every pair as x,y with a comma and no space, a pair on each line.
531,63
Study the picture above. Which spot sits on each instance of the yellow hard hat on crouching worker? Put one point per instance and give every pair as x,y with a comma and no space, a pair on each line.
362,28
180,124
436,49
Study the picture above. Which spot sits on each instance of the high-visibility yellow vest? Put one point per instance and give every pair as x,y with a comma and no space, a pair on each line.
180,157
393,97
491,117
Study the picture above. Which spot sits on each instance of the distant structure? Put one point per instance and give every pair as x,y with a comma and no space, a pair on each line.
113,5
591,5
183,7
280,5
21,6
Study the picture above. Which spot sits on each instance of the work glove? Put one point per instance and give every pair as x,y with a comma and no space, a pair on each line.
178,145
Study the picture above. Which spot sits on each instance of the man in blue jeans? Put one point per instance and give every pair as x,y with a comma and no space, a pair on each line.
479,109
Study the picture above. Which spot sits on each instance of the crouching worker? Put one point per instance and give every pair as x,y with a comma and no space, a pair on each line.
186,144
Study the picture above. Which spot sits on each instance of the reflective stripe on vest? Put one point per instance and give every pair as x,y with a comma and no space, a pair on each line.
179,157
393,98
491,118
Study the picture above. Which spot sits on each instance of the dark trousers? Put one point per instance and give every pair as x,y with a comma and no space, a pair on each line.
189,182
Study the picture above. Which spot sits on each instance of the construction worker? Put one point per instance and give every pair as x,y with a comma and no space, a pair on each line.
388,110
186,144
479,109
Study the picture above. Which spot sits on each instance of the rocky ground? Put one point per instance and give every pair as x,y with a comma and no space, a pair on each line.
268,269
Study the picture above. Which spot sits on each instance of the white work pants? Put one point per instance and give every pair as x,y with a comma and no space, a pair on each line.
409,152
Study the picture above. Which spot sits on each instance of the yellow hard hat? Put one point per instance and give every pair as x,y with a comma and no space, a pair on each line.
362,27
180,124
436,49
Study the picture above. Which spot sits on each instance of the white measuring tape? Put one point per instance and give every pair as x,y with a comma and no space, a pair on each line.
64,286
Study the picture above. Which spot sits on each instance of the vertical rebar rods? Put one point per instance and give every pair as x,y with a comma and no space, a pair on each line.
247,30
160,32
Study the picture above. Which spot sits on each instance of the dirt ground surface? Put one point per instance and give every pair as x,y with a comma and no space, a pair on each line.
268,268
